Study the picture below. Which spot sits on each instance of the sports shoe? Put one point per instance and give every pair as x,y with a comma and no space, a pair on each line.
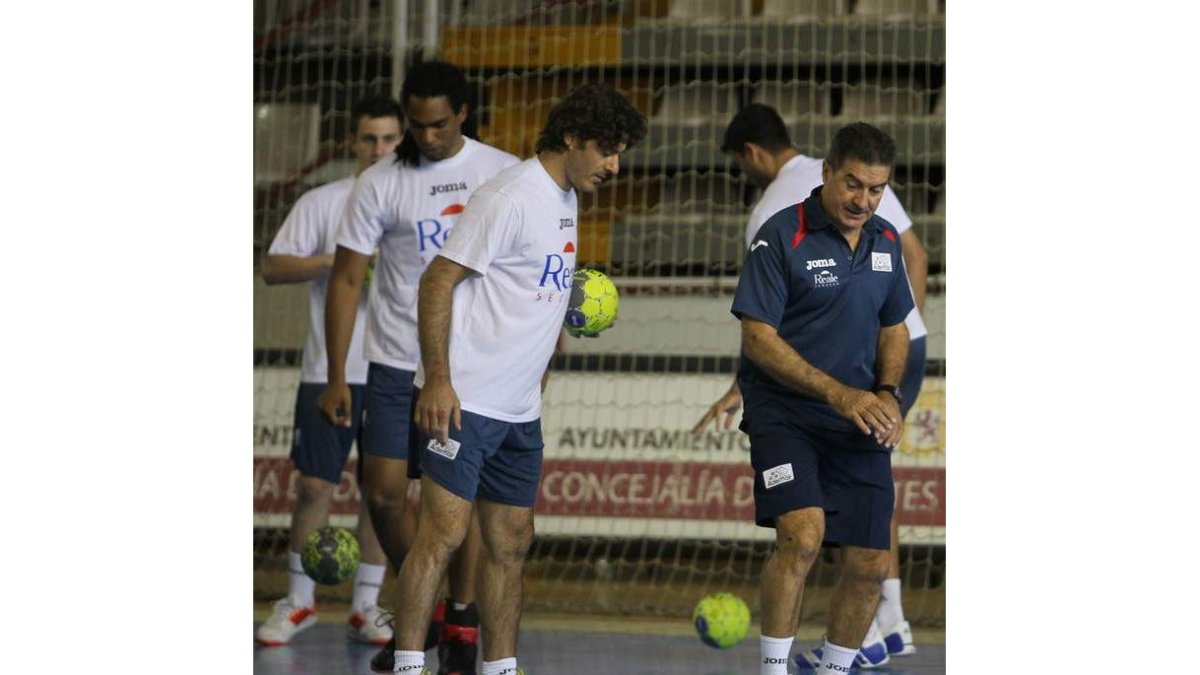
899,640
459,641
869,656
285,622
372,626
520,671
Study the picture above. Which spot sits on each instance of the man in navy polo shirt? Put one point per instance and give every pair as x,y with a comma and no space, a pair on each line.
822,299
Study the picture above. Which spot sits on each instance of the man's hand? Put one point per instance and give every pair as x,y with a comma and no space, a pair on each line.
892,439
437,406
722,412
336,405
869,412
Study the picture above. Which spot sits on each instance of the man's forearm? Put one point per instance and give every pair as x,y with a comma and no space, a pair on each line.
286,269
435,301
891,354
341,309
771,353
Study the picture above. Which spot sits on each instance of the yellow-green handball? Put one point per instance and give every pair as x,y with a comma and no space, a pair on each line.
330,555
592,307
721,619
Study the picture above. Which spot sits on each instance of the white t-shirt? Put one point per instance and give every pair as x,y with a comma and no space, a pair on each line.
407,212
519,234
309,230
795,181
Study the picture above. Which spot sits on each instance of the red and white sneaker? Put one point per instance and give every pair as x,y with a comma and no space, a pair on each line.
283,624
371,626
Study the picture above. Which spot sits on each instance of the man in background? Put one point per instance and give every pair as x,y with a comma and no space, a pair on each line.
303,252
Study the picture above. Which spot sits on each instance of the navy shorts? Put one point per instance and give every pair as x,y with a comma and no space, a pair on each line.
914,374
319,448
847,474
499,461
387,422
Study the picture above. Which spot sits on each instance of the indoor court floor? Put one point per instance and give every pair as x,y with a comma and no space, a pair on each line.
554,645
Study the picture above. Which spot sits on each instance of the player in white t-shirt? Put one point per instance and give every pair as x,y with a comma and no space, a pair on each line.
405,206
491,311
303,251
758,141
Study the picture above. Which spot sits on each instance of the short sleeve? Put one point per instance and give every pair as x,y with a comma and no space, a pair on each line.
483,231
367,214
899,301
891,210
301,233
762,288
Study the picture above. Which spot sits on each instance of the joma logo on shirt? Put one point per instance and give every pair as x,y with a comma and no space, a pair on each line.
448,187
821,262
564,223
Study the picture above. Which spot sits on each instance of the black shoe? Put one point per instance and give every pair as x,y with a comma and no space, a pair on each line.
435,625
385,660
458,646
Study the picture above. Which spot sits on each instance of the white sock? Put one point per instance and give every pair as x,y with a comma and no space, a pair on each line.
502,667
409,663
366,586
873,634
774,655
890,612
301,588
836,660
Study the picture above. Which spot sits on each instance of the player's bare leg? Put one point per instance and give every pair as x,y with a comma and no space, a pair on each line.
313,496
894,551
852,605
296,612
368,544
797,543
507,535
385,490
889,615
464,565
445,519
367,622
458,632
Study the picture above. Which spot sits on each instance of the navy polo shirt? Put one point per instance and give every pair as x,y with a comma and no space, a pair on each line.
826,301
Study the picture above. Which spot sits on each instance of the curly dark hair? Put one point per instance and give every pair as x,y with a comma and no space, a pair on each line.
593,111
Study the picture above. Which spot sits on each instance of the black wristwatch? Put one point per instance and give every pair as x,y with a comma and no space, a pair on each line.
891,389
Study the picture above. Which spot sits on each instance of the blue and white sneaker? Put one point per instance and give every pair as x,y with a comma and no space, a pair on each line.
872,654
899,640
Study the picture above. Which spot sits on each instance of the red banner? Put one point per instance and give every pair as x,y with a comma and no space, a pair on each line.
626,489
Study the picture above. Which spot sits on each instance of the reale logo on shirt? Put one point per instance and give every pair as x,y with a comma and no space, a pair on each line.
821,262
881,262
825,279
556,271
432,232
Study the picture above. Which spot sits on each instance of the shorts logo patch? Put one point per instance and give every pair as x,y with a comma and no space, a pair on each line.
881,262
449,450
777,475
